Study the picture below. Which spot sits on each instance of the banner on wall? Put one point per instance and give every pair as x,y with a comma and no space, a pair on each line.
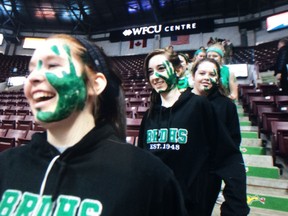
138,43
183,28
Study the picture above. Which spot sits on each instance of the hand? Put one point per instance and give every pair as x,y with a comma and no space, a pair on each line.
172,77
278,76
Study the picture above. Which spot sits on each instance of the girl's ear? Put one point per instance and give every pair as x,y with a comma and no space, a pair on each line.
98,83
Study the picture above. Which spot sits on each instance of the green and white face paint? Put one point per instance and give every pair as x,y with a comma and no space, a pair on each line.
171,80
71,89
214,81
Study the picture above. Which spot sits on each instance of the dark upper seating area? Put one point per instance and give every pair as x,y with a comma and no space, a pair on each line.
265,54
130,67
13,66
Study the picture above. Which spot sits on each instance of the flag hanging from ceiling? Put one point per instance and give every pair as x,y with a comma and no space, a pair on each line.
138,43
179,39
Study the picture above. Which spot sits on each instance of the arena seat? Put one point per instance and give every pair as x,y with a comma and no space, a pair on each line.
277,128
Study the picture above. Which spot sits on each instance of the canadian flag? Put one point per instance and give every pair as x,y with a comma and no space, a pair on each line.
138,43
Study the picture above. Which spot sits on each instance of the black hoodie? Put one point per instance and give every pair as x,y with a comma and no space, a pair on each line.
100,175
228,130
182,137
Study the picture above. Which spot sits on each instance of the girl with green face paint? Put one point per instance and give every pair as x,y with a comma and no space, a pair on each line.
177,128
206,76
71,89
227,159
171,79
78,98
160,68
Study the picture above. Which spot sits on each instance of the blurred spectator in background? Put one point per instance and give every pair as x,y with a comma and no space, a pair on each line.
281,67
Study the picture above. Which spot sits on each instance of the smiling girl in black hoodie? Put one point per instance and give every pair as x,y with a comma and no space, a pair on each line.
81,165
228,164
178,128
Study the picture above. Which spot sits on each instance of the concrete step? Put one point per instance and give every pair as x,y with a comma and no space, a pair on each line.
252,150
251,142
258,160
275,192
265,197
254,212
244,118
249,128
279,184
266,212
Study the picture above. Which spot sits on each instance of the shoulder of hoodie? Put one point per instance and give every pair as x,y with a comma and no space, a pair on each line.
222,100
117,152
193,98
14,154
137,155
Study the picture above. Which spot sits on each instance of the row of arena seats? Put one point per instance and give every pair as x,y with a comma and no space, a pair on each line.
269,112
136,112
15,133
16,130
135,102
10,138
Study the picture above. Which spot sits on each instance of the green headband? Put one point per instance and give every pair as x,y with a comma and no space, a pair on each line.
198,51
217,50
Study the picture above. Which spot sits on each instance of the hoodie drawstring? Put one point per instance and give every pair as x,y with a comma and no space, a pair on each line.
43,185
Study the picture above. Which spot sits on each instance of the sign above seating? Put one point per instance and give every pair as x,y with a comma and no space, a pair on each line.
167,29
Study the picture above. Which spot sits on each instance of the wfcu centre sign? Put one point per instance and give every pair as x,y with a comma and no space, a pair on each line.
163,30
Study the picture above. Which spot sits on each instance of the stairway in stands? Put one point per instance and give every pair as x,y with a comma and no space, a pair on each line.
267,189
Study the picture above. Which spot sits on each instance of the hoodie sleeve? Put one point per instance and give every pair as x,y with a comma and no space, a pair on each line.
233,125
210,124
142,133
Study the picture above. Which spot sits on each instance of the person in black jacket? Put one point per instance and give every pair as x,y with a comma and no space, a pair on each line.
179,129
228,164
81,165
281,66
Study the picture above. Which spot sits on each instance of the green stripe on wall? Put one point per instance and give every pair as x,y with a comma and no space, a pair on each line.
268,202
264,172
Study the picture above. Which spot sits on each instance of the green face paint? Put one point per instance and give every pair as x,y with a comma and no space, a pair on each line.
171,80
213,82
39,65
71,90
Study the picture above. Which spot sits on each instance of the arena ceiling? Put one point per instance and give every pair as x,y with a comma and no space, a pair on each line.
97,16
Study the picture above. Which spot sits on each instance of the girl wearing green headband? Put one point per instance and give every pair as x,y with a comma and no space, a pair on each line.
198,55
228,78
